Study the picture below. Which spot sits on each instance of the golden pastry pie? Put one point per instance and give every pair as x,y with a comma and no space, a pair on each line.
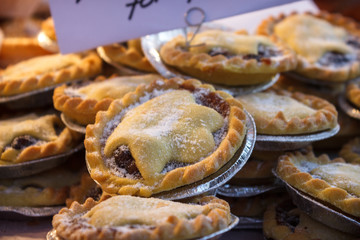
164,135
333,181
129,54
86,189
353,93
48,28
279,112
43,189
327,45
228,58
127,217
32,137
284,221
82,101
351,151
45,71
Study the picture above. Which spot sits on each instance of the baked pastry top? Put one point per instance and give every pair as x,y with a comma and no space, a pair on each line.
327,45
333,181
284,221
279,112
162,136
353,93
127,217
351,151
45,71
48,28
228,58
130,54
82,101
32,137
44,189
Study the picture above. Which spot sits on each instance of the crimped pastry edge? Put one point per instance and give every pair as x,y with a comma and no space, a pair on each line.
353,93
325,117
348,153
82,110
89,66
179,176
221,70
316,187
130,56
311,70
217,218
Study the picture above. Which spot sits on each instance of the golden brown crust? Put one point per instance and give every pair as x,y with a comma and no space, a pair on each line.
131,56
14,50
174,178
316,187
48,28
351,151
83,110
221,70
89,65
353,94
311,70
68,225
324,118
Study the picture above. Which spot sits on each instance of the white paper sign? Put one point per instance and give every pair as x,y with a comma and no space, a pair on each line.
85,24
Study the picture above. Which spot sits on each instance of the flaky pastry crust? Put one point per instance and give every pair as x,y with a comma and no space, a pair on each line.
353,93
88,65
83,110
318,188
179,176
226,71
70,223
324,118
308,69
351,151
48,28
131,55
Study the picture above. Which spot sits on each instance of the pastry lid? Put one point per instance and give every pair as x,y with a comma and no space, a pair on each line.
46,43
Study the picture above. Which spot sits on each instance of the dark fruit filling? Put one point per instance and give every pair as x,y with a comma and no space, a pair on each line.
264,54
124,44
214,101
125,160
284,218
22,142
221,51
334,59
353,42
94,193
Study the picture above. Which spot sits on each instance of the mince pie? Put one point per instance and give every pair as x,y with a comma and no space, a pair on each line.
353,93
284,221
128,217
228,58
43,189
333,181
81,101
45,71
279,112
164,135
32,137
48,28
327,45
351,151
130,54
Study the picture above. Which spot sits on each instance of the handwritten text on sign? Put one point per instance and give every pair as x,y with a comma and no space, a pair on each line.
85,24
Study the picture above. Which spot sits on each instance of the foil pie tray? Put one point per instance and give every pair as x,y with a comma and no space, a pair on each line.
249,223
322,212
35,166
46,43
23,213
284,143
221,176
123,70
151,45
229,190
72,125
312,81
348,108
51,235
